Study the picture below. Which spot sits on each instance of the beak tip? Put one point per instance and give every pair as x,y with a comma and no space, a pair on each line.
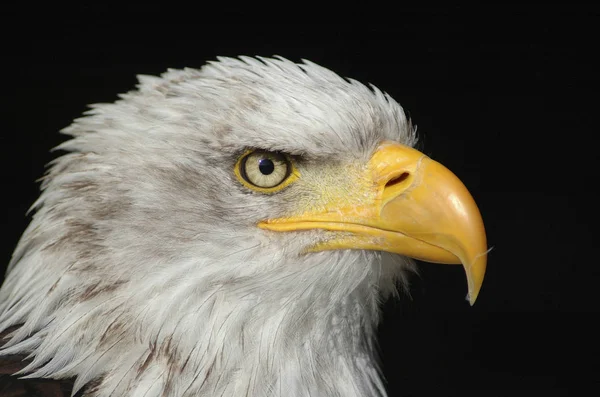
471,298
475,281
475,267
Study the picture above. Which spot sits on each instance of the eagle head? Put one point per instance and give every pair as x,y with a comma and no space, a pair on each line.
230,230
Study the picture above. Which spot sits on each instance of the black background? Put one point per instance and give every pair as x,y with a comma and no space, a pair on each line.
505,96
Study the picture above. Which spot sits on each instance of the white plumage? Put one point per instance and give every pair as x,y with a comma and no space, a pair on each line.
143,272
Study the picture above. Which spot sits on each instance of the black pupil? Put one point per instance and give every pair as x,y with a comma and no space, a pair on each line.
266,166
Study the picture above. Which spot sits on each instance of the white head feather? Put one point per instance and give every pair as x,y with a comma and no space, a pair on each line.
143,272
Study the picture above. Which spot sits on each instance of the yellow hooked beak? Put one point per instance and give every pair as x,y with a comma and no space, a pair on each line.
418,208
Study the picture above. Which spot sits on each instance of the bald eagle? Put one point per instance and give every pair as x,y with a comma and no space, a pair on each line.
229,231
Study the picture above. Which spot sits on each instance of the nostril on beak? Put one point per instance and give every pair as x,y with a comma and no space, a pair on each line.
397,180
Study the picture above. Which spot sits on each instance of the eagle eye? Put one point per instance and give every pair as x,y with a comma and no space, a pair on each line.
265,171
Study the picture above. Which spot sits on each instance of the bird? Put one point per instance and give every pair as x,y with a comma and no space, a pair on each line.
229,230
